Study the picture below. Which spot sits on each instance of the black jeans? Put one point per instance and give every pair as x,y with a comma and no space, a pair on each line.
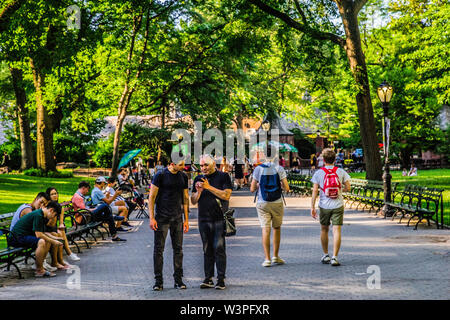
213,238
103,213
175,225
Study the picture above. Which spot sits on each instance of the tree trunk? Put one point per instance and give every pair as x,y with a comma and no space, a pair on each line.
348,10
44,152
239,120
121,114
405,157
26,146
365,110
163,125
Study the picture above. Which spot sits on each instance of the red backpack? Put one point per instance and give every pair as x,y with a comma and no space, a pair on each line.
332,184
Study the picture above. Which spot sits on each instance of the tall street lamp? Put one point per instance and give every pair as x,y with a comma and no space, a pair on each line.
266,127
384,93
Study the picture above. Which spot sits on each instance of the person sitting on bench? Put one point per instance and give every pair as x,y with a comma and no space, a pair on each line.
101,212
29,232
99,198
41,199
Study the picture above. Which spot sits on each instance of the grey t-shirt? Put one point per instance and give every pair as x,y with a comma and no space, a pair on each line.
274,169
324,201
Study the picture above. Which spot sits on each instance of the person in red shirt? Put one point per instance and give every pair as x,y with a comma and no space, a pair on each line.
100,213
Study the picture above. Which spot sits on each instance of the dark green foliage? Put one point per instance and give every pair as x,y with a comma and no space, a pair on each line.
134,137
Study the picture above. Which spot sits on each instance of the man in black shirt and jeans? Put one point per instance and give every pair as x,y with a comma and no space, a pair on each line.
207,188
169,190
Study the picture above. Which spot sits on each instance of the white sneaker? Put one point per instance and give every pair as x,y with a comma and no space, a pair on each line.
49,267
325,259
335,262
266,263
278,260
74,257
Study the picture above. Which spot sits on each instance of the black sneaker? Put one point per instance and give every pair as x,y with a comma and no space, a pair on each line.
120,229
220,285
207,283
118,239
179,285
126,224
158,286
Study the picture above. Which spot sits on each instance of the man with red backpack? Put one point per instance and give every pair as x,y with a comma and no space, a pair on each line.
331,181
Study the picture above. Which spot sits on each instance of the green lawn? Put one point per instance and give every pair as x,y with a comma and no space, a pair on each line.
438,178
18,189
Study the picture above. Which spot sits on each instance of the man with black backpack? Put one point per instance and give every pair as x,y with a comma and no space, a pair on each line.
330,179
269,179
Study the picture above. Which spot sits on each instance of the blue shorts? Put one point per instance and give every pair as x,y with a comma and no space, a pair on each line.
24,241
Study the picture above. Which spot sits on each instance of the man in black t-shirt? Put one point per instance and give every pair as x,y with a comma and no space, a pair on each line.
169,197
213,185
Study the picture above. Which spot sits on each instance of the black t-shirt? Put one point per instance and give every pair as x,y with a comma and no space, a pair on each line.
208,209
238,167
169,201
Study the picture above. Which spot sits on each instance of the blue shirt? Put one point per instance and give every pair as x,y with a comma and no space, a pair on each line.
97,196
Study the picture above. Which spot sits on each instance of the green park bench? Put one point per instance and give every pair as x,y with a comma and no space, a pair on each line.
11,256
81,225
75,230
367,194
418,201
299,185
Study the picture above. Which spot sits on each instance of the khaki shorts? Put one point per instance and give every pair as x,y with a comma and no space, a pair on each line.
336,216
270,214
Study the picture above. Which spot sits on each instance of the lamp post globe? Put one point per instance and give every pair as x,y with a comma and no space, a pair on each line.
266,127
385,92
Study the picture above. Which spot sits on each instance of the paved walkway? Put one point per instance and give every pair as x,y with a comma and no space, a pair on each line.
412,264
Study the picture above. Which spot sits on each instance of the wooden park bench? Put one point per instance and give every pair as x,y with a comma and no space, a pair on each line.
418,201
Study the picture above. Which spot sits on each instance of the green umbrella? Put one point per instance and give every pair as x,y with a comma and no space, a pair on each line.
128,157
289,148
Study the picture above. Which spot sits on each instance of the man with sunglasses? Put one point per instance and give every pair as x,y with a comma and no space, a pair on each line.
169,198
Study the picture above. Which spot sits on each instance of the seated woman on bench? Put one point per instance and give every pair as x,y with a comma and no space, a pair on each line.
60,230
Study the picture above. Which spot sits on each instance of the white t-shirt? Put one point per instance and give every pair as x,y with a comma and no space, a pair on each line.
274,168
324,201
